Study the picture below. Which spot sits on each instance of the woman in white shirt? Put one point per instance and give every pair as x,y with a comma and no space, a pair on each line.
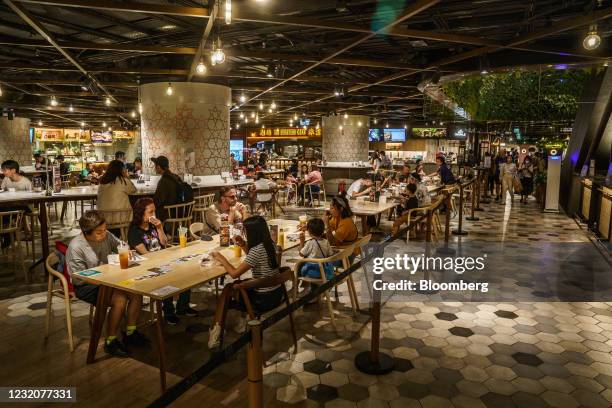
508,173
114,192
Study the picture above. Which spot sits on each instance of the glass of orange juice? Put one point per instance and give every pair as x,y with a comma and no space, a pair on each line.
124,255
237,251
182,237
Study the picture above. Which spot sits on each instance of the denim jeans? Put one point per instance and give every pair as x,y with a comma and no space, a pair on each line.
181,305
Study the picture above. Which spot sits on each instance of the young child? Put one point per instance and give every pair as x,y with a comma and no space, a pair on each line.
315,248
409,202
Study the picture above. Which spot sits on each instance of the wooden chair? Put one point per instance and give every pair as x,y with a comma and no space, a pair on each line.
285,275
11,223
345,264
32,217
341,256
63,293
195,230
178,215
201,204
312,194
272,203
119,220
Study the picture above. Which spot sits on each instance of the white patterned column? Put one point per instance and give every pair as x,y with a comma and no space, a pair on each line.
345,140
15,140
190,127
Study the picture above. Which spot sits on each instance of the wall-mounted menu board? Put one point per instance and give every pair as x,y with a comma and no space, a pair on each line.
49,135
286,132
429,133
121,134
76,135
101,137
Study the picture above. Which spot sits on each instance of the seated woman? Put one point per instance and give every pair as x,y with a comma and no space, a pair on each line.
339,226
147,234
89,250
261,259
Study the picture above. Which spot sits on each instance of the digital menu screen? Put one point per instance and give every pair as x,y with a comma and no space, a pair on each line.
394,135
236,147
376,135
429,133
101,137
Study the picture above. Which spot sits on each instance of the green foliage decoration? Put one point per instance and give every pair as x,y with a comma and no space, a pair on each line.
520,95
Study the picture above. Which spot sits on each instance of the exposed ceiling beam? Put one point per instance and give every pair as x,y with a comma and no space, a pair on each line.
25,16
200,50
558,27
203,12
233,52
410,11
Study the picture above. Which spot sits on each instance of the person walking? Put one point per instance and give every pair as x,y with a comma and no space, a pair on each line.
508,173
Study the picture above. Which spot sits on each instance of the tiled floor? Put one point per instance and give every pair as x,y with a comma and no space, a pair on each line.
451,354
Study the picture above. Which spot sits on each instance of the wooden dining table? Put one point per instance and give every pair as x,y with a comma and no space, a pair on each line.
182,276
365,208
290,228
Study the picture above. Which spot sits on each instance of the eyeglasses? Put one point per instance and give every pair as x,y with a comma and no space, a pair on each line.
230,196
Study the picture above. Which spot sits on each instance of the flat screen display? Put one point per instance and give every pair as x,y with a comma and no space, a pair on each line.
394,135
101,137
236,147
376,135
429,133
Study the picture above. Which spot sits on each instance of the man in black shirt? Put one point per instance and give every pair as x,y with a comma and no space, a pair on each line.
408,203
167,191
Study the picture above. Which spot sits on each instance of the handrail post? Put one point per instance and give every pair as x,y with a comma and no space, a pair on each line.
255,366
479,184
459,230
475,193
485,181
445,249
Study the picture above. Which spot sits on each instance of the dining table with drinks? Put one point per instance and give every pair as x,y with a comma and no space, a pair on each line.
157,275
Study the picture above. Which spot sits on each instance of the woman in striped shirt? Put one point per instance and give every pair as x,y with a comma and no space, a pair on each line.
261,259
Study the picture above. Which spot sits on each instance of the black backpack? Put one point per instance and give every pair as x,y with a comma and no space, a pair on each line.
184,191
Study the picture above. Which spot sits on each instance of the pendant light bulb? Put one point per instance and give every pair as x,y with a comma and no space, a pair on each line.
592,39
107,101
241,115
201,68
345,115
295,116
82,124
273,105
133,114
242,98
252,114
40,123
228,12
53,101
169,90
261,106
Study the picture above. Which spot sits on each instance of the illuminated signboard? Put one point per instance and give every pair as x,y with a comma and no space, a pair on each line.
459,133
429,133
287,132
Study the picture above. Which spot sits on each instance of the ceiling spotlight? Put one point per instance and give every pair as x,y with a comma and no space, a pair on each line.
110,129
484,71
295,116
201,68
386,125
359,124
273,105
169,89
592,40
242,98
140,107
317,125
252,114
338,91
237,125
82,124
71,108
345,115
263,126
290,122
269,110
270,71
441,123
246,120
340,127
107,101
133,114
605,65
103,124
375,121
261,106
241,115
228,12
405,126
40,123
53,101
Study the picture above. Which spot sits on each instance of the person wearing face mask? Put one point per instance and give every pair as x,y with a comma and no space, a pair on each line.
227,209
89,250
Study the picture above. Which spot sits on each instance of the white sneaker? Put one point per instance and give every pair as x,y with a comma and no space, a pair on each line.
214,335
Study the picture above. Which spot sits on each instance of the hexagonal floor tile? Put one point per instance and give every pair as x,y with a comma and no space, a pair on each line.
506,314
461,331
322,393
317,366
446,316
528,359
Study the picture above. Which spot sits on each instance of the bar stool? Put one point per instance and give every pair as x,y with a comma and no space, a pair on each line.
10,225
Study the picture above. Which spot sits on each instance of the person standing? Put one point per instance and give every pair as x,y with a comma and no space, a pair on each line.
114,192
498,163
508,173
64,167
168,187
527,171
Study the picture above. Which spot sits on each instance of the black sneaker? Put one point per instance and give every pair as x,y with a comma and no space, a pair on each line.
189,312
136,339
172,320
116,349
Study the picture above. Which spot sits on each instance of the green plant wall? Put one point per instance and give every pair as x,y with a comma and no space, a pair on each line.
520,95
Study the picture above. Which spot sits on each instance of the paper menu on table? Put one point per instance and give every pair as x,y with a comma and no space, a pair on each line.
164,290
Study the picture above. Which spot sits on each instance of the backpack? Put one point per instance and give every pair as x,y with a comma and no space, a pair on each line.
184,191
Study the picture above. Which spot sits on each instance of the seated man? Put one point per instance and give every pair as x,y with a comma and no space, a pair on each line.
89,250
12,177
403,175
227,209
359,187
408,203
